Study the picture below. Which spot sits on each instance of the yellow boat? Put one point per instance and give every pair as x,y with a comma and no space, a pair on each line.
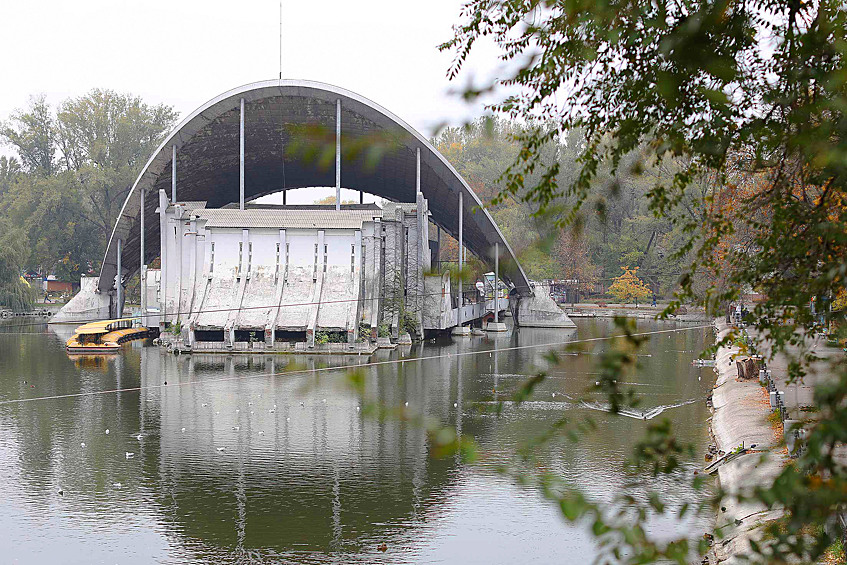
104,337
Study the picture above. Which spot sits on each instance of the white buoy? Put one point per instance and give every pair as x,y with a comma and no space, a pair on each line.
117,485
288,419
138,437
107,431
82,444
183,430
455,404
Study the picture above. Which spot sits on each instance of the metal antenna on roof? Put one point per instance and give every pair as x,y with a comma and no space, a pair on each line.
280,39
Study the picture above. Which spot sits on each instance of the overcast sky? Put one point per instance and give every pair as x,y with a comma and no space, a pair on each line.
184,52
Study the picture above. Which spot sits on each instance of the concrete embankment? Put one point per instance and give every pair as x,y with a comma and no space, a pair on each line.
588,310
740,420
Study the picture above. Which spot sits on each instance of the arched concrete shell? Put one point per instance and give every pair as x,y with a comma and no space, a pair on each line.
283,119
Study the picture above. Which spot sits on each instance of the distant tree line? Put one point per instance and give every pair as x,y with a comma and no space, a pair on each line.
613,231
71,170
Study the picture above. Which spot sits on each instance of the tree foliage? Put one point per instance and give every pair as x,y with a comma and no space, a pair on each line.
628,287
73,168
742,104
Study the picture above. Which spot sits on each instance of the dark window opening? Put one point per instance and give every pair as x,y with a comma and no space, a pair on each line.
249,335
208,335
290,337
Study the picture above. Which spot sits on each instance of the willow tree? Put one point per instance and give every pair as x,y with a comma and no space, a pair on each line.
738,92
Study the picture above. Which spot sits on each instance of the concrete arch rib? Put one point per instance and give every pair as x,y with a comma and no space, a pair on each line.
276,110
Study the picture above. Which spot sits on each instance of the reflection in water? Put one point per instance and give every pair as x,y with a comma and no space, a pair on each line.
239,458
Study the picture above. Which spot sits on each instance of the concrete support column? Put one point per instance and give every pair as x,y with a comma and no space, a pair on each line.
165,268
173,174
438,247
496,325
338,154
418,170
241,160
459,329
496,274
284,192
461,250
142,274
119,296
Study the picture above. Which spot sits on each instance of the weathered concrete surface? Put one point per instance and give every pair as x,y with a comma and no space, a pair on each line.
540,311
87,306
740,417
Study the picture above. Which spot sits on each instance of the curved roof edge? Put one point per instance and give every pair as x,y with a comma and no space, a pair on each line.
128,218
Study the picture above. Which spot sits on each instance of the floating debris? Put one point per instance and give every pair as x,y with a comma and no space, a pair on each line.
221,449
703,363
130,454
117,485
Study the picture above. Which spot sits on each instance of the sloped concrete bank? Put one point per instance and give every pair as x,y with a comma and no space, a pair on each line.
741,430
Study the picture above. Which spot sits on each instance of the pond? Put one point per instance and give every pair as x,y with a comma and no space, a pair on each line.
274,459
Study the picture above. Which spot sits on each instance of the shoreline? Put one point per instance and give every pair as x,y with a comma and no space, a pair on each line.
588,310
740,411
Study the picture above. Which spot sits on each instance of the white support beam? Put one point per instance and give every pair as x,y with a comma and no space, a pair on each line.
143,271
119,298
338,154
173,174
461,254
241,160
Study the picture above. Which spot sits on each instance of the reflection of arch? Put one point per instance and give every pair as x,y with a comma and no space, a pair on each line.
207,163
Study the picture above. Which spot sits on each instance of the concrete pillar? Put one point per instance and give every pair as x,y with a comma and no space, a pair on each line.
165,270
119,297
284,192
460,329
461,244
241,160
418,170
438,247
142,273
338,154
496,325
496,268
173,174
361,197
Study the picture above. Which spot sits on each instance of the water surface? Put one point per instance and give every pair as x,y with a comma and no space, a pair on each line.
235,461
